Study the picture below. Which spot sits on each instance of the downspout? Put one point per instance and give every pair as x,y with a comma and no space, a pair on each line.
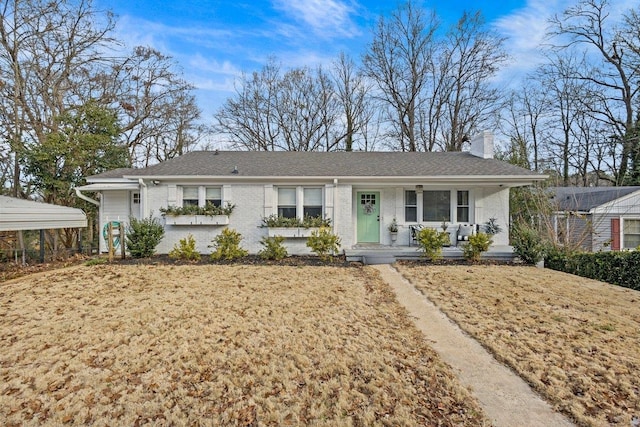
86,198
143,197
335,189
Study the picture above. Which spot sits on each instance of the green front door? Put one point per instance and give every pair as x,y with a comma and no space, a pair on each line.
368,217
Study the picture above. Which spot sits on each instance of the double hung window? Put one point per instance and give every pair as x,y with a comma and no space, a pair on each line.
201,196
312,202
190,196
287,202
213,196
300,202
631,233
462,211
410,206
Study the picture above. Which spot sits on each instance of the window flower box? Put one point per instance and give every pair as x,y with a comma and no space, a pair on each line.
291,232
197,219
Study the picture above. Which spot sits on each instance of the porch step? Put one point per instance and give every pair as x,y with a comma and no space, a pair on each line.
373,259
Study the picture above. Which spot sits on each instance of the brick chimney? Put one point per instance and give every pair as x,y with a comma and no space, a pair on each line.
482,145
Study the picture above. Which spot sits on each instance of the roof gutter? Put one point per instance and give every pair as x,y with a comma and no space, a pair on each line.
86,198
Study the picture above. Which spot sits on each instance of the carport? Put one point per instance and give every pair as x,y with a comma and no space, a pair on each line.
20,215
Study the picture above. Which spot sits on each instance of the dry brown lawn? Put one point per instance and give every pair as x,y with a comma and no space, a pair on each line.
575,340
218,345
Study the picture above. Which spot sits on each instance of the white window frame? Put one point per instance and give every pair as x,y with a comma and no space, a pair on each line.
453,205
202,194
300,198
623,245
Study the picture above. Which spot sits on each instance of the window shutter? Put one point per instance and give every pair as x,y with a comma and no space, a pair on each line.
615,234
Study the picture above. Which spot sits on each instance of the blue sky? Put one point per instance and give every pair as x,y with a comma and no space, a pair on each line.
214,41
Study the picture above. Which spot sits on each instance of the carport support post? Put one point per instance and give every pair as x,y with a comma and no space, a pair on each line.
110,240
41,246
122,240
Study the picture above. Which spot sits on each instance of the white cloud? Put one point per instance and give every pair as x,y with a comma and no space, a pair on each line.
525,30
325,18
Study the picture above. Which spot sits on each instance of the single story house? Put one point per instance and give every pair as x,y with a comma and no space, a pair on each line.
597,218
361,193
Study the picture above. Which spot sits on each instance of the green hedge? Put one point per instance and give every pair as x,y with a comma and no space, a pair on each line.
618,268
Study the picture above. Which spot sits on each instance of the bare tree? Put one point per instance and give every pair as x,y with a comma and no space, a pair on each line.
613,74
398,60
249,118
295,111
351,90
157,110
524,121
47,49
438,90
472,55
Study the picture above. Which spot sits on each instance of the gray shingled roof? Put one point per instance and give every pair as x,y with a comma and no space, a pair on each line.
583,199
323,164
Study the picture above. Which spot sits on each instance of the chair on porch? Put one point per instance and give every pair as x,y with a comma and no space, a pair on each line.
464,232
413,233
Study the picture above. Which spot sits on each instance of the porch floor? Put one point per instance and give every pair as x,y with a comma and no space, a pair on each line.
370,253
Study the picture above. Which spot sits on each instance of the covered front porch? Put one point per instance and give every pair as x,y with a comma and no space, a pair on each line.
384,254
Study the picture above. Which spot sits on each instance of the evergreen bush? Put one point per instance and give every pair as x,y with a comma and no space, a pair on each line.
477,244
226,246
143,235
185,249
273,248
528,245
431,242
324,243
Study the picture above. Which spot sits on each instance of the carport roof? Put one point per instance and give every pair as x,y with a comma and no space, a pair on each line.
20,214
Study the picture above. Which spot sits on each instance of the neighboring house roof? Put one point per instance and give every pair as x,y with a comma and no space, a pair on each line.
20,214
325,164
583,199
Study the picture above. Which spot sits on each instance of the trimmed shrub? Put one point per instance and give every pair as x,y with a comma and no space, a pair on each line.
527,244
477,244
143,235
227,246
324,243
273,248
557,257
431,242
185,249
617,268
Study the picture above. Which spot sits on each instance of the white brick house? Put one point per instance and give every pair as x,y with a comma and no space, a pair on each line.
361,192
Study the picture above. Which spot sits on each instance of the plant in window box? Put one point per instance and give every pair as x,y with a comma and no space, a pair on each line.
197,215
293,227
315,222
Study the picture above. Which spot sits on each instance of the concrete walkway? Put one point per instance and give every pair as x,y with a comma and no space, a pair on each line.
507,400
